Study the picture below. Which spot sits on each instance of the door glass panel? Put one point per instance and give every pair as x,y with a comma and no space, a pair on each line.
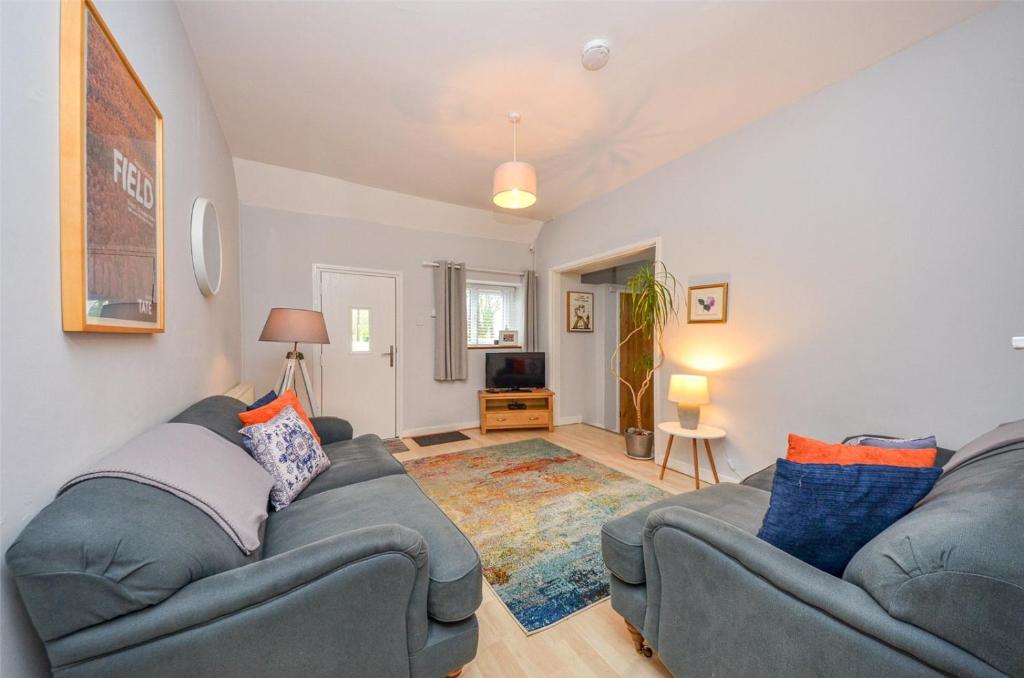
360,330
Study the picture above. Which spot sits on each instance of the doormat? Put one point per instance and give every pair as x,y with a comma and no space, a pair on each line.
534,512
439,438
395,445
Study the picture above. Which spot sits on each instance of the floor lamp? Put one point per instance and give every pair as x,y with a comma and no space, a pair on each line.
295,326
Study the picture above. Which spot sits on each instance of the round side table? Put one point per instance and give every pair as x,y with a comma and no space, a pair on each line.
702,432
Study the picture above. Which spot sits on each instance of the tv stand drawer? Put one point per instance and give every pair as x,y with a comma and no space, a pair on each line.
517,418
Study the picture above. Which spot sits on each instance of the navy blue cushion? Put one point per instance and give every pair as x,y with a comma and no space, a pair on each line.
824,513
265,400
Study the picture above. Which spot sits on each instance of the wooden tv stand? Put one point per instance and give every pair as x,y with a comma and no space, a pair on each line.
495,413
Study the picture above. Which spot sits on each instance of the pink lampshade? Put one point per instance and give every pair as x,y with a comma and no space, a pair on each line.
515,185
295,325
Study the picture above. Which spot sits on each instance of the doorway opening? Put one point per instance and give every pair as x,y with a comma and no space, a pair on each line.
582,356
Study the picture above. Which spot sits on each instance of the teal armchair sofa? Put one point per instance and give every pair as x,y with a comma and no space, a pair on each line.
939,593
362,575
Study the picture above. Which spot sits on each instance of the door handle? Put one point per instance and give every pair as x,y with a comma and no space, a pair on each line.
391,355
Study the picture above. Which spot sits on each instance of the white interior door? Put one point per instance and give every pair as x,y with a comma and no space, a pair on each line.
359,368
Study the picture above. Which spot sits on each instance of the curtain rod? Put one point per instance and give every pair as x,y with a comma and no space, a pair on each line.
496,271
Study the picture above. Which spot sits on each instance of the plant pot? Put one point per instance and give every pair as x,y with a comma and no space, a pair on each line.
639,443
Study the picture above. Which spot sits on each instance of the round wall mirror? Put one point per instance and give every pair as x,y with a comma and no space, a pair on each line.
206,246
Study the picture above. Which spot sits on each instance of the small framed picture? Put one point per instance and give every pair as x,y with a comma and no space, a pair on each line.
579,311
509,337
707,303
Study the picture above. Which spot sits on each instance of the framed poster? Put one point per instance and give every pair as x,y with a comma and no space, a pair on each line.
111,183
579,312
707,303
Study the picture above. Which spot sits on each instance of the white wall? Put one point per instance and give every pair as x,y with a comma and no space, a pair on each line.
279,249
68,399
872,234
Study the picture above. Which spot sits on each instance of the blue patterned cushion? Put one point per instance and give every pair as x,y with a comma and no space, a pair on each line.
923,443
287,450
824,513
265,400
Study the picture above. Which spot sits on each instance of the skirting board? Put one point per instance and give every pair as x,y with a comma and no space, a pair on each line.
686,467
475,423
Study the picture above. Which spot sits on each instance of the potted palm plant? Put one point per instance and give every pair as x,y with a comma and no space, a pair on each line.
653,290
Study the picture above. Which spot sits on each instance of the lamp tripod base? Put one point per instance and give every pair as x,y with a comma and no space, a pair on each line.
294,362
689,416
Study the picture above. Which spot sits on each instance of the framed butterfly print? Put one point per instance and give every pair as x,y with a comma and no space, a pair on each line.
707,303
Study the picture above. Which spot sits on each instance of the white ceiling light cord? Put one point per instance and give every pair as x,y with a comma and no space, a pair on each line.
515,139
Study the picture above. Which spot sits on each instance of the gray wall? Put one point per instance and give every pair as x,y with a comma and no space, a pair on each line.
67,399
873,235
279,249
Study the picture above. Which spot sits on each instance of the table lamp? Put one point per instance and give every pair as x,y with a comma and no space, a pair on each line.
689,392
295,326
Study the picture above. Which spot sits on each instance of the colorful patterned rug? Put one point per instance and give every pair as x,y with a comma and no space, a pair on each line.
534,511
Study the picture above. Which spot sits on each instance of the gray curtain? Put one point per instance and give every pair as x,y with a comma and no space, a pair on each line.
530,339
451,358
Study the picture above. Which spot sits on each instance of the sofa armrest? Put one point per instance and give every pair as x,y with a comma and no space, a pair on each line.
764,598
332,429
365,586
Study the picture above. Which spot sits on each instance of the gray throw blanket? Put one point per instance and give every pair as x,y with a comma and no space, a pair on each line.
199,467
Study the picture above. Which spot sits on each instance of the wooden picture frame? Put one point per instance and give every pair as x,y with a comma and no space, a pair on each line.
579,311
111,184
707,303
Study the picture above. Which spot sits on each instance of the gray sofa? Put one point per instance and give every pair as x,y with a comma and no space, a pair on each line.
362,575
941,592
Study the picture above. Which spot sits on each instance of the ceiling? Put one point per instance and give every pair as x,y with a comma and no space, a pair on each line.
413,97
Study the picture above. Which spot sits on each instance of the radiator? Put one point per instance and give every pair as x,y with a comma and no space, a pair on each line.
243,392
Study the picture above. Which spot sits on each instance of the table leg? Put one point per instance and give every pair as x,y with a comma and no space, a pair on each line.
696,465
664,462
707,448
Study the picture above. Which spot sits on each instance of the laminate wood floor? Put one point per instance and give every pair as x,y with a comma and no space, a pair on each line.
594,642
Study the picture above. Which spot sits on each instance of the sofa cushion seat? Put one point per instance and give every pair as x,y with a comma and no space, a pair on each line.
455,587
622,538
353,461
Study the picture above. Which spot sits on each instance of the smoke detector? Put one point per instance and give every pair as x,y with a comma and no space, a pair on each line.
595,54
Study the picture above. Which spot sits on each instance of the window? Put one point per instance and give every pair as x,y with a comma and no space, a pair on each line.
360,330
491,308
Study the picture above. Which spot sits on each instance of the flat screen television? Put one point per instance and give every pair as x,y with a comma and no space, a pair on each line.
515,370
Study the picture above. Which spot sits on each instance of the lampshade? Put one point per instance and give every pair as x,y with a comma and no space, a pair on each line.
515,181
688,389
515,185
295,325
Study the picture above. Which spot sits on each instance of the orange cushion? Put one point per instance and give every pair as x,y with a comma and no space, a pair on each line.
809,451
271,409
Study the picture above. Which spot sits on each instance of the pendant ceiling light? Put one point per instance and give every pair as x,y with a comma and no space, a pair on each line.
515,182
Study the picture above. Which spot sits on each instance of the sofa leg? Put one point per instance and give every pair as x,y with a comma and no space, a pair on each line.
456,673
639,644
